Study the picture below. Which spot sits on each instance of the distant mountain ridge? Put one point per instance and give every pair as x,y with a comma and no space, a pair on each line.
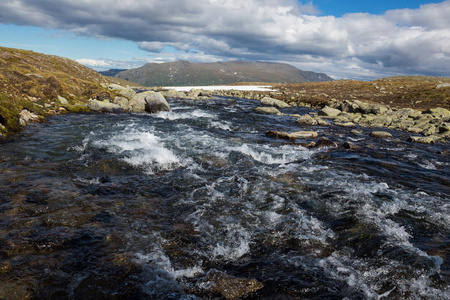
183,73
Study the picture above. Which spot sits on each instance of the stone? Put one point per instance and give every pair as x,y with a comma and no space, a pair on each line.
115,87
26,117
350,145
293,135
304,135
137,103
155,102
356,132
228,286
422,139
381,134
278,134
267,110
346,124
325,142
63,100
103,106
306,120
329,112
321,121
121,101
268,101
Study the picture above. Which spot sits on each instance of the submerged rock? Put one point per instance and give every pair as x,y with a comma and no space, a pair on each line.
228,286
325,142
268,101
381,134
350,145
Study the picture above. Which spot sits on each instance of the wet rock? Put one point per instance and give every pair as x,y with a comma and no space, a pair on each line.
329,112
381,134
228,286
26,117
325,142
304,135
356,132
267,110
268,101
306,120
346,124
155,102
293,135
103,106
422,139
350,145
278,134
321,121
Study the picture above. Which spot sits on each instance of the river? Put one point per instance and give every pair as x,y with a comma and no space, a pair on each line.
191,203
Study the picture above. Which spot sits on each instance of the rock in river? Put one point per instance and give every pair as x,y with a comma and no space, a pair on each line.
306,120
268,101
155,102
267,110
381,134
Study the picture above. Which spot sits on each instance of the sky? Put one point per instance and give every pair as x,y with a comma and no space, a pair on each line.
363,40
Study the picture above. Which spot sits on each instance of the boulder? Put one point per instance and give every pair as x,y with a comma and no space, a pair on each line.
321,121
103,106
346,124
304,135
63,100
293,135
155,102
306,120
267,110
381,134
329,112
324,142
127,92
278,134
350,145
268,101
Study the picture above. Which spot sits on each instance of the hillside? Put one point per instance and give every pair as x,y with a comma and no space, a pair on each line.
183,73
40,85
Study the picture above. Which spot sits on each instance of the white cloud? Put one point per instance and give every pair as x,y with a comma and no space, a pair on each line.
93,63
405,41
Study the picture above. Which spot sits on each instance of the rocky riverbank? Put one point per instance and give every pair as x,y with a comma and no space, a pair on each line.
426,126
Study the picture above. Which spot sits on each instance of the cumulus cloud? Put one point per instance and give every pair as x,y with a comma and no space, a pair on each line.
405,41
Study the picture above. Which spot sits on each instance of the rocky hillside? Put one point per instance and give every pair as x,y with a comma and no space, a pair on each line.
34,85
183,73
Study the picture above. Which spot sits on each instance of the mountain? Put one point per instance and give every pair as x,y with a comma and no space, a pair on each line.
183,73
112,72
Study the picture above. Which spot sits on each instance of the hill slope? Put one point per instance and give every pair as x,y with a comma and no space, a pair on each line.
36,82
183,73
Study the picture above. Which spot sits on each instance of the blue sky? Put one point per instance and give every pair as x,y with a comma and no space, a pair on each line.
396,37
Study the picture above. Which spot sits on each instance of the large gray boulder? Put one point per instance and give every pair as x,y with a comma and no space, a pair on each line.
149,101
155,102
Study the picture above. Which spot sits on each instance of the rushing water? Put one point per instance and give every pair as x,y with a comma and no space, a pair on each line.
161,206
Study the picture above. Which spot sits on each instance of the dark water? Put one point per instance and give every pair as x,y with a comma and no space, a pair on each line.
150,206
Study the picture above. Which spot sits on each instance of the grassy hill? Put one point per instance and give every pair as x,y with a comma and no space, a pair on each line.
36,82
183,73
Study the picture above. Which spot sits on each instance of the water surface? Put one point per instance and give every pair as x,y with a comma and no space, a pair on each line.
148,206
